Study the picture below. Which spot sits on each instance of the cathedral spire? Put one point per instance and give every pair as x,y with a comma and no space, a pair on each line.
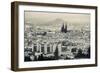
64,28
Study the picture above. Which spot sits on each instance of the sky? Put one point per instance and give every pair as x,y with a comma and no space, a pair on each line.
54,19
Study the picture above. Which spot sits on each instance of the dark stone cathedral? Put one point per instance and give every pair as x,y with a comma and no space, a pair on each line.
64,28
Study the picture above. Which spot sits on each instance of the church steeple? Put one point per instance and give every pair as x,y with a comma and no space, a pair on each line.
64,28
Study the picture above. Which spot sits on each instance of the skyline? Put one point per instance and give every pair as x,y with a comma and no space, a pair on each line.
54,20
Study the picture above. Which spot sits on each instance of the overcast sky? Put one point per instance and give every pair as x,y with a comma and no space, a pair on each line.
73,19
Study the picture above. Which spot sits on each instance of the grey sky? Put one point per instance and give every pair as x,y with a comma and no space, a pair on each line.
45,18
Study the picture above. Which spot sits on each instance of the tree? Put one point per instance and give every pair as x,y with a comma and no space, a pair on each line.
88,55
79,54
56,53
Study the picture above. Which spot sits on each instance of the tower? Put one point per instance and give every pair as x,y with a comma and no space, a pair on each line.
64,28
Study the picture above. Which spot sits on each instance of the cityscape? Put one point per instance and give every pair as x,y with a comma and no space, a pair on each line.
57,39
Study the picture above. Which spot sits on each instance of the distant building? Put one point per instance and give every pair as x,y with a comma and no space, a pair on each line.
64,28
48,43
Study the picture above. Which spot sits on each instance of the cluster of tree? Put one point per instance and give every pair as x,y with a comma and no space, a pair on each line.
82,55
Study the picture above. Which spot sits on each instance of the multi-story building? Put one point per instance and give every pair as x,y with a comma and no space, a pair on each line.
51,44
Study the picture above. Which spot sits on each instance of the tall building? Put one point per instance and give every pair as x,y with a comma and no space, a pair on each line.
64,28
